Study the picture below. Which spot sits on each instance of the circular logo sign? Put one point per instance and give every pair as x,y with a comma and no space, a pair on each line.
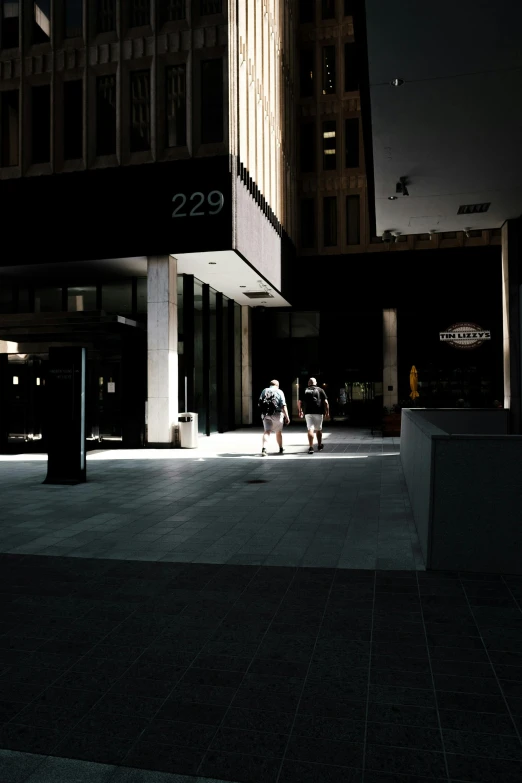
465,335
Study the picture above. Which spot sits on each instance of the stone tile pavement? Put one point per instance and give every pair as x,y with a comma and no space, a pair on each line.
346,507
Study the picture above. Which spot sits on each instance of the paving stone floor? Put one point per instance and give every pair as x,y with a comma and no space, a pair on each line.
346,507
295,638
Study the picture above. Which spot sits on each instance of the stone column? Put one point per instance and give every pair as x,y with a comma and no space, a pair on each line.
162,350
511,318
246,365
389,374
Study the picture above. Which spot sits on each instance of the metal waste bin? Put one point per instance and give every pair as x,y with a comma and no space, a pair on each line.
188,430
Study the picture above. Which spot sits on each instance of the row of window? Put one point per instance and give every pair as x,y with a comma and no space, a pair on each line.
329,70
308,146
212,114
138,14
124,296
328,8
331,235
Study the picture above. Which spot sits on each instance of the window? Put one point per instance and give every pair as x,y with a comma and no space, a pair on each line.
307,11
351,71
81,298
327,9
307,222
41,124
351,140
330,221
208,7
117,297
10,118
73,18
307,147
211,101
72,120
353,220
329,70
329,145
106,115
48,300
176,106
105,16
10,23
139,13
306,72
41,21
7,299
171,11
140,111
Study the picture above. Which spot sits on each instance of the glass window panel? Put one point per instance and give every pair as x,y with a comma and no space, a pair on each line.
211,101
213,362
7,303
41,124
10,119
237,365
73,120
41,21
176,108
351,140
327,9
10,23
329,145
117,297
307,147
306,73
330,221
353,220
48,300
141,295
305,324
307,11
140,111
105,16
106,115
181,357
200,403
172,11
329,70
73,18
307,222
351,70
139,13
208,7
81,298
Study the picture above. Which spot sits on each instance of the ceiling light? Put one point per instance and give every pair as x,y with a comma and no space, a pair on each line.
392,198
397,82
212,263
242,286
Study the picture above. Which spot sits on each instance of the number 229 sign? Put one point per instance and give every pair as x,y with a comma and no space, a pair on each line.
201,206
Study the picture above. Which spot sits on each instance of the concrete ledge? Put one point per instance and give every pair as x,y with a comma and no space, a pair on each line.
465,488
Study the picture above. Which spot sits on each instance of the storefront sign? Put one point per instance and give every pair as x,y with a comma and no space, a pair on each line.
465,335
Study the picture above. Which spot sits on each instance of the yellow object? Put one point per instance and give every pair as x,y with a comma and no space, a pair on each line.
414,382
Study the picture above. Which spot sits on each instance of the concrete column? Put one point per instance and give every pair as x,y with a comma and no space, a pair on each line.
162,350
246,365
512,320
389,374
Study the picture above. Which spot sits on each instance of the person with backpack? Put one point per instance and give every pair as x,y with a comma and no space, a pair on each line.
314,407
272,404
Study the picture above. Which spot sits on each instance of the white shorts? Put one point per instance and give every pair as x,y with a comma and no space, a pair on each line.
273,423
314,421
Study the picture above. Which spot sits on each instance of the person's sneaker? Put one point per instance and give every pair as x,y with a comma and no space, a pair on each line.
263,453
310,450
321,447
281,450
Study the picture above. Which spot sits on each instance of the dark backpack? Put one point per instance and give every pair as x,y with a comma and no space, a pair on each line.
268,405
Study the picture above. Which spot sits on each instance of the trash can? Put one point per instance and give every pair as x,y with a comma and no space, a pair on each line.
188,430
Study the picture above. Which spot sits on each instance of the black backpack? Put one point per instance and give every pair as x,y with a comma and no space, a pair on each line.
268,405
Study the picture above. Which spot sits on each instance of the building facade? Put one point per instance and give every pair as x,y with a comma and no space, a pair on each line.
147,180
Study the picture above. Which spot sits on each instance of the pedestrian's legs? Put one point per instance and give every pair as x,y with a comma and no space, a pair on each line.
311,437
266,436
319,435
279,439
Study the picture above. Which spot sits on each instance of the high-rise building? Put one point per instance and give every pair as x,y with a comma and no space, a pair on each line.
147,184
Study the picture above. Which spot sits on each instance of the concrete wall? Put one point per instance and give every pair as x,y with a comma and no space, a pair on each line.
469,421
465,490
